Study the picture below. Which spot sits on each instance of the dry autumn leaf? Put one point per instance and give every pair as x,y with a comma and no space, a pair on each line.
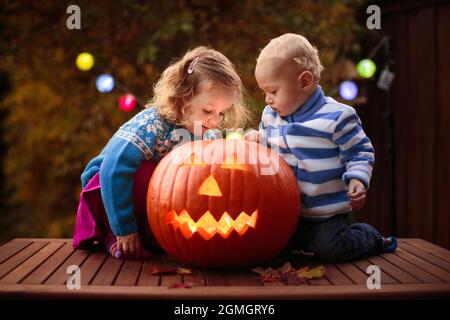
288,274
179,285
184,271
285,268
169,270
291,278
162,270
317,272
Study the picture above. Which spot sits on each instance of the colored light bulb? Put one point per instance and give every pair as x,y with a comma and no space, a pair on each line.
366,68
105,83
84,61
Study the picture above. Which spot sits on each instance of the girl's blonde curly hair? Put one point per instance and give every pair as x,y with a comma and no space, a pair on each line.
176,87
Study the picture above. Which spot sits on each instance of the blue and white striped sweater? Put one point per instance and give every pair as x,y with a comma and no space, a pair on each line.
324,143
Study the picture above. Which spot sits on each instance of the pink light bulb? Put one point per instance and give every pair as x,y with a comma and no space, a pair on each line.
127,102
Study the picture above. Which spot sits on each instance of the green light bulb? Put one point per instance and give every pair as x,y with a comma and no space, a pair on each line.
366,68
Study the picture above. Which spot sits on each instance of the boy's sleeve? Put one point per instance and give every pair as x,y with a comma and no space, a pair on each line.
355,148
263,129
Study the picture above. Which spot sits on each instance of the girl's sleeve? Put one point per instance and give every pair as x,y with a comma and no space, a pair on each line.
91,169
122,159
133,143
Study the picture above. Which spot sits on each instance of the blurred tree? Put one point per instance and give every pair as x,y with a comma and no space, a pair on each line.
55,120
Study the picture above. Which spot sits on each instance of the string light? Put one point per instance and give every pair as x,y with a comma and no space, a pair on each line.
366,68
105,83
348,90
85,61
127,102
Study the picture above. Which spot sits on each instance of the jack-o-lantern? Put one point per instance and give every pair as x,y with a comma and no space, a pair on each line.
223,203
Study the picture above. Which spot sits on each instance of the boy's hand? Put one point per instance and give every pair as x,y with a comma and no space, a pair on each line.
357,194
130,245
252,135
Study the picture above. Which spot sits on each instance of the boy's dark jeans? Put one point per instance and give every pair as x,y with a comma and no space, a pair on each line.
334,240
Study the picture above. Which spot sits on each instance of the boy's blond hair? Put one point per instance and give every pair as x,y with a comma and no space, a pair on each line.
294,47
184,79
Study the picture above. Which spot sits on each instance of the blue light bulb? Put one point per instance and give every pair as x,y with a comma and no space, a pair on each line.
348,90
105,83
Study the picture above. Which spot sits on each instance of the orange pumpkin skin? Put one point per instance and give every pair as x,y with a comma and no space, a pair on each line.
174,188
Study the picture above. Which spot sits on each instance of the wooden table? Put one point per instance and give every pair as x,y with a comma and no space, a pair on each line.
37,268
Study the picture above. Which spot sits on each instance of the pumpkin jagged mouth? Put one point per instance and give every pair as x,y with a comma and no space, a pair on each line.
207,226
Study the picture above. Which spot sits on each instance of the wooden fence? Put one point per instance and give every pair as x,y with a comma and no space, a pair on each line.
419,100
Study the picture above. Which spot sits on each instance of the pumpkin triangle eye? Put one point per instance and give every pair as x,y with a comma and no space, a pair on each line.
193,160
210,187
231,162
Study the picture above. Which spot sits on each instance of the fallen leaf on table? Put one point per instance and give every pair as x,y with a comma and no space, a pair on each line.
259,270
184,271
307,273
285,268
288,274
267,275
162,270
179,285
169,270
264,272
291,278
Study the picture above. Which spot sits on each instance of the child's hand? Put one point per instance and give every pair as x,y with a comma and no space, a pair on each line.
252,135
130,245
357,194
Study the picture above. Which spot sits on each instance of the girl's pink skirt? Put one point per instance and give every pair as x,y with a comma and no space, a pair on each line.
92,225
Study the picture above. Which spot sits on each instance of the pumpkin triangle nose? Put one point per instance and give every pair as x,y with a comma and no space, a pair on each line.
210,187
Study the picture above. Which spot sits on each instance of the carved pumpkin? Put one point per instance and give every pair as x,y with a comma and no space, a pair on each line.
223,203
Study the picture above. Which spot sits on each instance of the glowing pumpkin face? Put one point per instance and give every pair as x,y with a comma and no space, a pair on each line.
207,226
212,203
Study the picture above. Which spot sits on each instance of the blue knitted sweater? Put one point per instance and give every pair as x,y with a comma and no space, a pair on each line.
146,136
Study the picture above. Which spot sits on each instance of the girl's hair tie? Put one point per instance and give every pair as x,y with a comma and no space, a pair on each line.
192,65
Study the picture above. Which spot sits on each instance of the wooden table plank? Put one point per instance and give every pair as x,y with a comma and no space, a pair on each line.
410,268
91,266
232,277
129,273
45,239
11,248
108,272
319,281
429,247
60,275
353,273
147,279
424,265
426,256
394,271
32,263
20,257
416,269
385,277
336,276
421,291
44,271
